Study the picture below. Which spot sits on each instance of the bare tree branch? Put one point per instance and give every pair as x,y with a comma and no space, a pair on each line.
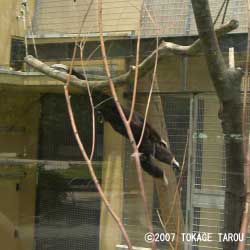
74,81
79,141
92,172
144,67
195,48
126,125
226,82
167,48
137,59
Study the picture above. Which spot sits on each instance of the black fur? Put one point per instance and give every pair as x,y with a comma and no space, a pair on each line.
152,145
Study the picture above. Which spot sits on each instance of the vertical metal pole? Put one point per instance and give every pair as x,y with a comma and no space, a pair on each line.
24,16
189,208
194,158
231,58
184,73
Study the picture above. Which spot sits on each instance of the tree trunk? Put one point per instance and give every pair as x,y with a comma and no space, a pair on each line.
227,83
234,202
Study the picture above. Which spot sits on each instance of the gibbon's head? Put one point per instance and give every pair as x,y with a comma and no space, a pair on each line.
60,67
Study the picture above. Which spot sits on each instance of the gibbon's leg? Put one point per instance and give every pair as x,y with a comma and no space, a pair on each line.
152,169
164,154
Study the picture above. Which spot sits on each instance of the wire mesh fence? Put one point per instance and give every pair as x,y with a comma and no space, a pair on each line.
68,210
67,206
203,182
66,17
175,18
163,18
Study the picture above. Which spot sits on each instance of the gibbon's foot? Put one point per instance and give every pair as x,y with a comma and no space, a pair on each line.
175,164
165,179
176,167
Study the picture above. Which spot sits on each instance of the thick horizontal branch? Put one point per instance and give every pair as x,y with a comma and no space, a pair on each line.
166,48
74,81
196,46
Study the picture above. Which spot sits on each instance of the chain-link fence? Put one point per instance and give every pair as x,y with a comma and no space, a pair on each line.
203,181
67,209
163,18
175,17
64,202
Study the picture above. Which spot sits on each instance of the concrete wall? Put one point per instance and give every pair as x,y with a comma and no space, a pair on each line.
17,212
171,75
19,119
20,114
112,184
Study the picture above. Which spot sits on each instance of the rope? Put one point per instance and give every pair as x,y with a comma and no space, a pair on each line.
31,31
225,3
225,12
23,16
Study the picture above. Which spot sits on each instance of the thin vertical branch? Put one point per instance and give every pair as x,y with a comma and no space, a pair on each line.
75,47
154,79
80,144
136,64
164,228
179,181
91,170
91,102
126,124
85,75
177,233
149,98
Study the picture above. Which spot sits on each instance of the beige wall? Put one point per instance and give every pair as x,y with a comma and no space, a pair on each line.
17,212
112,184
18,136
20,113
19,119
9,213
66,16
170,74
10,26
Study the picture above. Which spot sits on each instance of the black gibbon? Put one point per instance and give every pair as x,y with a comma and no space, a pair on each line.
152,145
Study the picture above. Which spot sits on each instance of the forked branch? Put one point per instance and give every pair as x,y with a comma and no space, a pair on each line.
165,48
